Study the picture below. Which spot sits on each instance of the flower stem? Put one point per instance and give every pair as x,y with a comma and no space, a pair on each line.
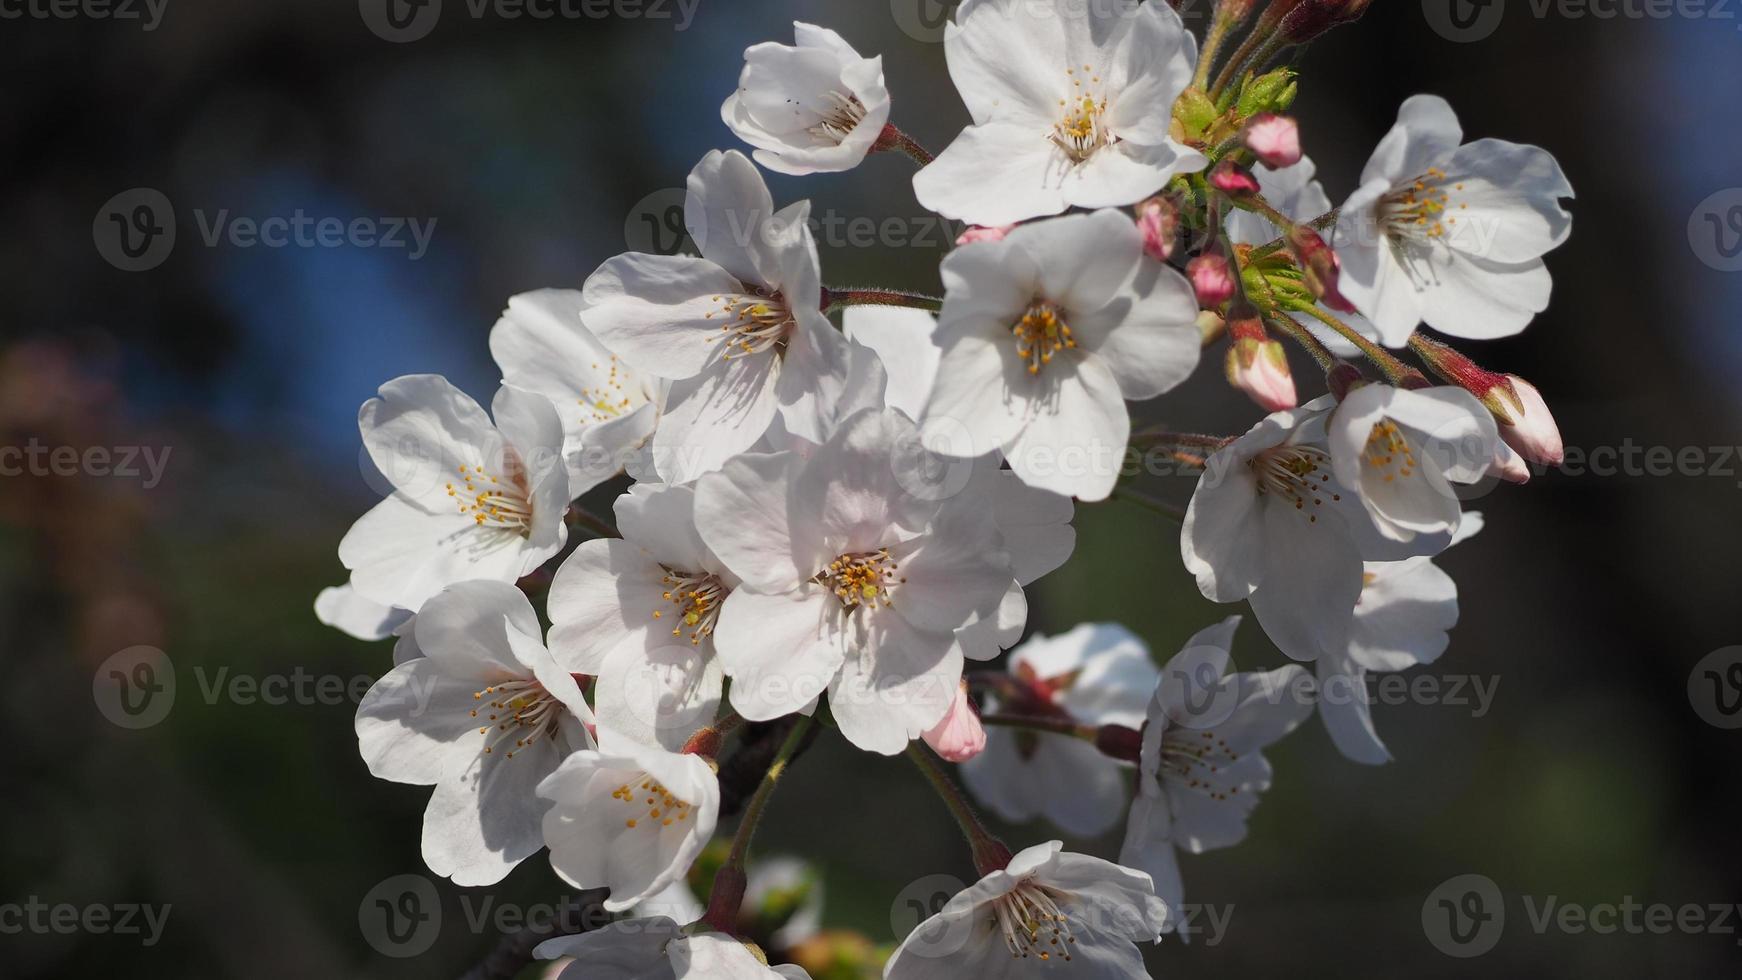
1395,370
990,854
893,138
1289,327
729,881
1052,726
834,299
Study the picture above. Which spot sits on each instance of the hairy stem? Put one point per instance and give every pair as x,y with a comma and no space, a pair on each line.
893,138
1395,370
728,890
990,854
835,299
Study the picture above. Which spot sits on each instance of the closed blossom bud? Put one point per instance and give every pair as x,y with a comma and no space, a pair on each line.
1311,18
1509,466
1320,265
1531,430
1212,278
958,736
1119,742
1233,180
1274,139
1158,223
982,233
1258,366
1343,378
1210,326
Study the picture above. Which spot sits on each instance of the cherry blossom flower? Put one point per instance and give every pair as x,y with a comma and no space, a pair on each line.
739,331
851,583
342,608
483,716
1450,232
638,613
1531,429
1095,674
629,817
958,736
471,499
1071,102
1047,913
659,949
817,107
608,409
1045,335
1201,771
1400,622
1402,450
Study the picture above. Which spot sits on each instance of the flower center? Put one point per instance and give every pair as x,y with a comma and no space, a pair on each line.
698,596
1388,453
1416,212
521,710
1083,127
1041,333
1033,924
645,793
1194,759
495,501
1297,474
864,579
608,400
752,323
842,117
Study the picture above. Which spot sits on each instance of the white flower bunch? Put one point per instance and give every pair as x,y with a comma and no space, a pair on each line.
837,522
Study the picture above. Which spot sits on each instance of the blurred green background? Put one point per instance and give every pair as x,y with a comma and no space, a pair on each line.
542,147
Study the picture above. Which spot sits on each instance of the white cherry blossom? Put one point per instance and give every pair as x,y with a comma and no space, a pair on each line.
1095,674
629,817
1201,771
638,613
813,107
739,331
1401,450
1045,335
1448,232
608,409
1071,102
1048,913
472,499
483,716
659,949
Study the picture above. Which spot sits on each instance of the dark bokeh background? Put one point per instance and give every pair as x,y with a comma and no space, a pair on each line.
540,148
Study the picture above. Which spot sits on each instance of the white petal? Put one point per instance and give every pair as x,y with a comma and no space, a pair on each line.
781,651
995,174
716,415
1074,442
662,313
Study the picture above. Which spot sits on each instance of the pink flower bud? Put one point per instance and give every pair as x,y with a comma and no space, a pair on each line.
1233,180
981,233
1531,430
958,736
1158,223
1212,278
1260,369
1320,265
1274,139
1509,466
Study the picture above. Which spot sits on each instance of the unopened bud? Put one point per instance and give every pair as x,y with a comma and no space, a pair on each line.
1260,369
984,233
1320,267
958,736
1274,139
1233,180
1210,326
1531,428
1343,378
1508,465
1311,18
1212,279
1158,223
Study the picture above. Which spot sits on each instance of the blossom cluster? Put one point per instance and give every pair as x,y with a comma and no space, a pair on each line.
839,522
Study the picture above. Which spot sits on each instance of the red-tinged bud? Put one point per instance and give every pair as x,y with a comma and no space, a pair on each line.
1343,378
1274,139
1532,430
1233,180
1319,264
1273,15
1311,18
1158,223
1119,742
958,736
982,233
1212,278
1260,369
